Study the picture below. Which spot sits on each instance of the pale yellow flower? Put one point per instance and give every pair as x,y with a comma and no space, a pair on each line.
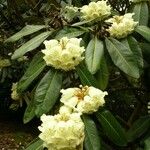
63,54
14,94
70,12
121,25
4,63
83,100
96,10
62,132
65,110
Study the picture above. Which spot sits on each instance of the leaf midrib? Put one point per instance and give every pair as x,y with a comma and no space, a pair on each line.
92,63
133,133
121,56
85,77
88,135
29,44
53,77
110,126
30,77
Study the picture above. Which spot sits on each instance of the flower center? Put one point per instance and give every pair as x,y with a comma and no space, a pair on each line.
63,117
63,44
83,91
118,19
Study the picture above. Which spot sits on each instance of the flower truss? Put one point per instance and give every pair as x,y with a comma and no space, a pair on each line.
96,10
121,26
14,94
63,54
64,131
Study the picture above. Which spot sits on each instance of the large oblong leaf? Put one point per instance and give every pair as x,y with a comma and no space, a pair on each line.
69,32
93,54
141,13
81,23
112,128
31,44
35,68
47,92
122,57
138,128
85,76
102,75
36,144
29,112
92,139
143,31
28,29
133,45
139,1
147,143
146,51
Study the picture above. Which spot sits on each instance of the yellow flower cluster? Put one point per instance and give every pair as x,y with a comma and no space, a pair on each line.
83,100
14,94
63,131
121,25
63,54
4,63
70,12
96,10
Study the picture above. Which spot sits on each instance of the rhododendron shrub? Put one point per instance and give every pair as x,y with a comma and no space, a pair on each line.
78,59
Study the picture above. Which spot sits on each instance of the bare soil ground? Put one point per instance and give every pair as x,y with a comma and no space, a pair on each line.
14,135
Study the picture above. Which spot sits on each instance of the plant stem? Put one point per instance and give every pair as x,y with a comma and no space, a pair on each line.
135,113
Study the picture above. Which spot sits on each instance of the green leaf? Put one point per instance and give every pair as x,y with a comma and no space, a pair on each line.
143,31
145,48
139,1
47,92
138,128
147,144
29,112
131,43
28,29
112,128
81,23
85,76
146,51
69,32
92,139
93,54
122,57
102,75
35,68
31,44
135,47
37,144
141,13
77,3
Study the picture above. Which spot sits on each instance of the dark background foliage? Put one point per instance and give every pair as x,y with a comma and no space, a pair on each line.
128,97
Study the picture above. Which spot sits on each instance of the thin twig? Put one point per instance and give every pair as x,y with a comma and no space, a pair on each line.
135,113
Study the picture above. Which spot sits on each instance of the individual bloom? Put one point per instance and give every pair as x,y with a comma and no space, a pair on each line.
121,25
4,63
65,110
96,10
14,93
63,54
62,131
70,12
84,99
